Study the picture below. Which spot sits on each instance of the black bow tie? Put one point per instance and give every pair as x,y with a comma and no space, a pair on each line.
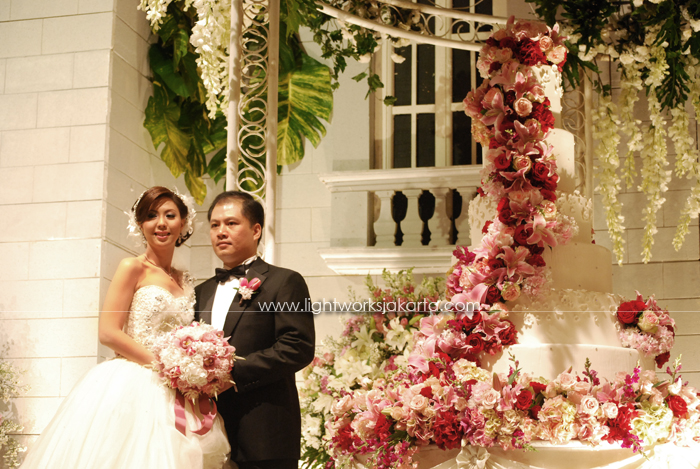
222,275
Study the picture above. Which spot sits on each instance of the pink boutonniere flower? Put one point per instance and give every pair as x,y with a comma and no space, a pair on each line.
248,288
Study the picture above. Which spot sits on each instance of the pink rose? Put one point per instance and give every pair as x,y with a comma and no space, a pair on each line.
549,209
522,163
609,410
557,54
490,398
649,322
523,107
510,291
589,405
396,413
418,403
566,381
546,43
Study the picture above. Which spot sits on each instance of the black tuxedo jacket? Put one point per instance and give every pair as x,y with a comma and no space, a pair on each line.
274,332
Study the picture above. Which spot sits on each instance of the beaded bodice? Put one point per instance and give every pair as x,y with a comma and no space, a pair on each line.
155,311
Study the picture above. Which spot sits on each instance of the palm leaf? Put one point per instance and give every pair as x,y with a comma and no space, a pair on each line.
305,95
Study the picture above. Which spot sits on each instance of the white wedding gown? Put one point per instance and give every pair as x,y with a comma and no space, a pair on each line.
120,415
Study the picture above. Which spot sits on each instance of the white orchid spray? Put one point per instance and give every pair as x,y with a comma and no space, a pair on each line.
655,178
605,124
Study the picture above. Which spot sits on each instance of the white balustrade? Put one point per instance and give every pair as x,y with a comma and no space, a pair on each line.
349,254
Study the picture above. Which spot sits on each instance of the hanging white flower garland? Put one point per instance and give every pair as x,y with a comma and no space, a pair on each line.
605,124
210,37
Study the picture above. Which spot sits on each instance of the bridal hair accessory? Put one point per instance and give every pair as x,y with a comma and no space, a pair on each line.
188,228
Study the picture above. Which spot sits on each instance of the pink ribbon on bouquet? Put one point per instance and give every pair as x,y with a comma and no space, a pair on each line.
207,408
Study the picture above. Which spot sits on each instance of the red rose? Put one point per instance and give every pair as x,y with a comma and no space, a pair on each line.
529,53
492,42
536,260
503,203
540,171
502,162
677,406
509,335
495,66
534,410
523,400
485,229
493,144
550,183
468,323
537,387
493,295
549,195
480,191
495,264
629,312
507,43
506,216
509,99
476,343
427,392
521,235
546,121
535,249
661,359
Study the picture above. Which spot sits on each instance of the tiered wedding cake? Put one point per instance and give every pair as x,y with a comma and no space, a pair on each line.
576,319
401,390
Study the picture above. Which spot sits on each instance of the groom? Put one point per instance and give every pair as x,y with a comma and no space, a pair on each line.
273,330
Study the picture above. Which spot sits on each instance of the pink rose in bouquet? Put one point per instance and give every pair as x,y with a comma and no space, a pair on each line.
195,360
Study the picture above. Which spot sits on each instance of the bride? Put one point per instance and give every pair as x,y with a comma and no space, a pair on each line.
119,415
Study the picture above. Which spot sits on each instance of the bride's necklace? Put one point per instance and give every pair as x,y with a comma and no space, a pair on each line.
168,273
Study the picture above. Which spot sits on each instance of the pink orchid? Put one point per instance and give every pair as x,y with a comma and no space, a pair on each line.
542,231
515,261
248,288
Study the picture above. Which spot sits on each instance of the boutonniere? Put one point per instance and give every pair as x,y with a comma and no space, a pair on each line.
248,289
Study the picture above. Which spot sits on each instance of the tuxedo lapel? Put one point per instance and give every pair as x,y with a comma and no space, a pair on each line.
257,270
207,301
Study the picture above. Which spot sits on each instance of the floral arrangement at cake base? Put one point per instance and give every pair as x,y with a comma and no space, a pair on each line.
387,421
373,344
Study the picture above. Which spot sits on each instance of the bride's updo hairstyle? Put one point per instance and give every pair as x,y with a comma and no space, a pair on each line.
156,196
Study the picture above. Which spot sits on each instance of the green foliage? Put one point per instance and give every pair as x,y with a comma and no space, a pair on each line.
305,95
591,22
176,116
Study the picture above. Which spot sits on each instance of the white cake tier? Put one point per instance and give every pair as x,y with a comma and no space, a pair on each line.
580,266
562,330
549,360
562,142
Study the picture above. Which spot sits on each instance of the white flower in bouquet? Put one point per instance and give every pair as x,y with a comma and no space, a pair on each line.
194,360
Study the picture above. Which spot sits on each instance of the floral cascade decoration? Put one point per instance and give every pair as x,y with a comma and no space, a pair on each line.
655,47
10,389
511,117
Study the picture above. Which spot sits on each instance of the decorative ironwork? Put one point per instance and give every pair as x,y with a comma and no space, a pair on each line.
248,109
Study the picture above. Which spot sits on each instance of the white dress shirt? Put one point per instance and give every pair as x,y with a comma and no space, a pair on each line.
225,292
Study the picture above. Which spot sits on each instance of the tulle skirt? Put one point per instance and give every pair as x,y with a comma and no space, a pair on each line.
120,416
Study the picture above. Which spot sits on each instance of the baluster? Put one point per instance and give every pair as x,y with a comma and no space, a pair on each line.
462,221
385,226
412,225
440,223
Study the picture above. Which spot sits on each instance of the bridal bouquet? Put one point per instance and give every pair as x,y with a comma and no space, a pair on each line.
194,359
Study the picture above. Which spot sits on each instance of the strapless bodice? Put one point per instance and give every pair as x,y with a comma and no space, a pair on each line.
155,311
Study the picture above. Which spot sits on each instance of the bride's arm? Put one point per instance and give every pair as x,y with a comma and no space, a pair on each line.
116,311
